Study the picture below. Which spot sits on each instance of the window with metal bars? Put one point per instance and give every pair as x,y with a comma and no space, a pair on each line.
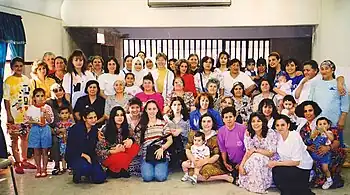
181,48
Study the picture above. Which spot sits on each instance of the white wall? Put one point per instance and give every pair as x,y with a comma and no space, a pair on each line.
136,13
332,36
50,8
42,33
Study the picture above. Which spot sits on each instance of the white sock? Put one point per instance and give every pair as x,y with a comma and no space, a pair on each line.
329,179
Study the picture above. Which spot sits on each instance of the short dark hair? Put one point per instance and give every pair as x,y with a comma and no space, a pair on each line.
135,101
126,57
235,85
64,108
61,58
322,118
260,61
14,60
129,73
289,98
150,78
299,110
289,61
37,90
178,77
210,98
249,61
215,127
312,63
87,111
91,82
285,118
229,109
200,134
172,60
204,59
236,61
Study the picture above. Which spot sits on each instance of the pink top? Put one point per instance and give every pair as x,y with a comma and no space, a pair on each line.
155,96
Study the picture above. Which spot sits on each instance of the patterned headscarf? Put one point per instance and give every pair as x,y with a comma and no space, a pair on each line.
328,63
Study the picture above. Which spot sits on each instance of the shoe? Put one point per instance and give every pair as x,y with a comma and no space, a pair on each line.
44,173
327,184
186,177
193,179
56,171
19,169
113,174
124,173
76,178
27,165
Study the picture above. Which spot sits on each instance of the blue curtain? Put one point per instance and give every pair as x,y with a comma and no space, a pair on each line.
3,51
16,50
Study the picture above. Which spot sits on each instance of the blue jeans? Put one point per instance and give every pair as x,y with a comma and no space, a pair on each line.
154,171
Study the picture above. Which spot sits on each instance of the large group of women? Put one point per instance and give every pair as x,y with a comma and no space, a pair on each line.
257,126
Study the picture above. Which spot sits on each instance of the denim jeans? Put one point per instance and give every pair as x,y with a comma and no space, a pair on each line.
154,171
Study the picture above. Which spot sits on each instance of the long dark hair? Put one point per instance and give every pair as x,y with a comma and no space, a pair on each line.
184,110
111,128
263,119
268,102
117,65
70,66
142,126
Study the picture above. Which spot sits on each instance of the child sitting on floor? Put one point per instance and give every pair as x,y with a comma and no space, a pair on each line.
198,151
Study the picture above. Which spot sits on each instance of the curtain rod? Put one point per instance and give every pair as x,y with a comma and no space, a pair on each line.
32,12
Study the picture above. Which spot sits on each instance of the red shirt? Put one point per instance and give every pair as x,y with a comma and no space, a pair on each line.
189,84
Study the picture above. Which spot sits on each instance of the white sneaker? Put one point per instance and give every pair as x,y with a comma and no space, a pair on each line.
327,184
193,179
186,177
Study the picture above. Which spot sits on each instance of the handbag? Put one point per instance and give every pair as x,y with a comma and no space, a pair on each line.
152,148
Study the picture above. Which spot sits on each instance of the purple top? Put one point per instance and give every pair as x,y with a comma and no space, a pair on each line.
232,142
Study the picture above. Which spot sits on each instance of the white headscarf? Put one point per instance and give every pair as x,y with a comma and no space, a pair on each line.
154,64
138,74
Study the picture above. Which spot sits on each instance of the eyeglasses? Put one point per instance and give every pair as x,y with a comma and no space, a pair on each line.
57,90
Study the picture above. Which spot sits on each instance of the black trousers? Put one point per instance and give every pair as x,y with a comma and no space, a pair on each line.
292,180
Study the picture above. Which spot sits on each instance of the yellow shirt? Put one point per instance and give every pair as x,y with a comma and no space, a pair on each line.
161,79
36,83
17,92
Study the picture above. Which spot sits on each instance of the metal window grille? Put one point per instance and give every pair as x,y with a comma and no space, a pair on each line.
181,48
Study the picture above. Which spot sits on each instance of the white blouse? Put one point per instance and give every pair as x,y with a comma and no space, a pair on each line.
293,148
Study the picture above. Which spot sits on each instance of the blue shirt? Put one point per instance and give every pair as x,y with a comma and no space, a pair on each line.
295,81
195,117
326,95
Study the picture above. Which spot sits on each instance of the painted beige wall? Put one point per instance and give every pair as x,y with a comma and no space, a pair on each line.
43,34
136,13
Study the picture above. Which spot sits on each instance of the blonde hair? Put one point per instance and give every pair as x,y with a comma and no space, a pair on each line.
37,64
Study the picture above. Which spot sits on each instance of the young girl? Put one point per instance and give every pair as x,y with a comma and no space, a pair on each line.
250,69
76,78
61,130
179,126
322,136
199,151
288,108
39,116
222,62
130,87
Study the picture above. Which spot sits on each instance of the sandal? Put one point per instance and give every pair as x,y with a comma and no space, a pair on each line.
43,173
38,174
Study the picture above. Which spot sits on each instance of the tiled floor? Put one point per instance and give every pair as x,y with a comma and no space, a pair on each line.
63,185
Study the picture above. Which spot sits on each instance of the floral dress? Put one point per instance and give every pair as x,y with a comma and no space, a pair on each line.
243,108
259,175
337,160
187,97
210,169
